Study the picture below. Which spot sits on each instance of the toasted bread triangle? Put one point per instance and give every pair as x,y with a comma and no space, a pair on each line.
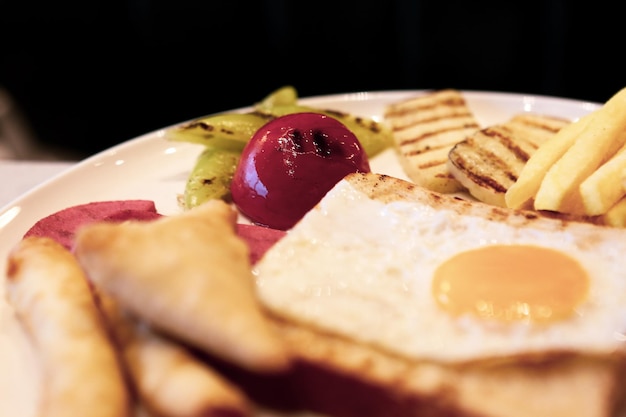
188,275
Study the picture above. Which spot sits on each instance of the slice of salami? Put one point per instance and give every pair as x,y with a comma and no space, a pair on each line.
259,239
62,224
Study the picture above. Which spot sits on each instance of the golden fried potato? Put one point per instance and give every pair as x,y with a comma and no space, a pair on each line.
603,136
616,215
604,188
531,176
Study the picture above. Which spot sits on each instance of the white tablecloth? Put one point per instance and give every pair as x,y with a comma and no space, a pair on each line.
20,176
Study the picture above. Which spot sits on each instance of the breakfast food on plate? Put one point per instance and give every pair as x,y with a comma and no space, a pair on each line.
554,177
557,167
601,190
290,163
522,193
52,299
435,279
425,128
489,161
192,273
169,380
345,376
443,285
382,297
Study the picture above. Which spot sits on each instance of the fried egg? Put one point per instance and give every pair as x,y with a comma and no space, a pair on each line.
433,277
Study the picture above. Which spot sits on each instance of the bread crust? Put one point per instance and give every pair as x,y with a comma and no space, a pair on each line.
53,301
165,376
337,376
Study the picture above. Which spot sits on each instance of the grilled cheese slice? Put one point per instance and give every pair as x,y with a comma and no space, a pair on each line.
425,128
490,160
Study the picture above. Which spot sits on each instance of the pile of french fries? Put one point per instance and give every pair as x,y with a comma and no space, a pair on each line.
581,170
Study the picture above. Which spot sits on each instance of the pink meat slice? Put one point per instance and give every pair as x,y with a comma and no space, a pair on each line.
62,225
259,239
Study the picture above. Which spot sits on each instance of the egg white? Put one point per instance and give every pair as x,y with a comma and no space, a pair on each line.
362,268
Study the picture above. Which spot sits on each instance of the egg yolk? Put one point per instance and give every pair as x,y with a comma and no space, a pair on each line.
511,282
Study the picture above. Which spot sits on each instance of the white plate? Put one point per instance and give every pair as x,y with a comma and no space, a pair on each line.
150,167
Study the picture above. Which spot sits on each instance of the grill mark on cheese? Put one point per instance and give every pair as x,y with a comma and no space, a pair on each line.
481,180
416,121
444,176
429,101
505,136
425,128
540,125
437,132
431,164
488,162
428,105
547,123
425,149
537,128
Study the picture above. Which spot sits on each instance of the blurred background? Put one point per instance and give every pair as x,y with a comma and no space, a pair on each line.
81,76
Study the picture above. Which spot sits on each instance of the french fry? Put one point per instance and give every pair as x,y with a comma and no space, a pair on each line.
616,215
603,189
603,136
527,184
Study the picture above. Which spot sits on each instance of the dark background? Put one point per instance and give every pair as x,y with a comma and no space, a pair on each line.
90,74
